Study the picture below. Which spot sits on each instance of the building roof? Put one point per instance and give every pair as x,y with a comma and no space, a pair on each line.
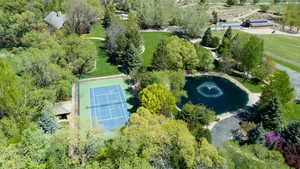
260,24
63,107
228,24
55,19
261,20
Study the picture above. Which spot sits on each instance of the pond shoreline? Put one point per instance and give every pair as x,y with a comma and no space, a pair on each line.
252,97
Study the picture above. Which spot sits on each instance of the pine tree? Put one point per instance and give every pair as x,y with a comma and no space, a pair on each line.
291,134
257,135
270,114
206,40
228,33
131,59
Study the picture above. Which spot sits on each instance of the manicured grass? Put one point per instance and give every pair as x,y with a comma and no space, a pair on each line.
286,64
256,88
97,31
283,46
104,67
289,117
151,41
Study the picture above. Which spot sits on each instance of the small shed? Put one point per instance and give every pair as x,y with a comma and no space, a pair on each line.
63,110
55,19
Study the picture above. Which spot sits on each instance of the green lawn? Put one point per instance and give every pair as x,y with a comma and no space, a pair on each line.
97,31
287,47
151,40
289,117
104,68
286,64
256,88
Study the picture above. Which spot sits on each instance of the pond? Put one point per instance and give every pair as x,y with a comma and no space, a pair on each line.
214,92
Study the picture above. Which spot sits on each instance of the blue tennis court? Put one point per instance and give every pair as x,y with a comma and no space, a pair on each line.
108,107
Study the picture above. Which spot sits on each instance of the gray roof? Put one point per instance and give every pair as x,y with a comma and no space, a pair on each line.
260,24
55,19
258,20
63,107
228,24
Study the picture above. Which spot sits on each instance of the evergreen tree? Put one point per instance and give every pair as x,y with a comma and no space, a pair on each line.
291,134
228,33
132,59
108,16
47,121
270,114
257,135
215,17
207,38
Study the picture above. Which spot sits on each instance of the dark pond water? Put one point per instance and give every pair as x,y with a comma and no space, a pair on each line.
215,92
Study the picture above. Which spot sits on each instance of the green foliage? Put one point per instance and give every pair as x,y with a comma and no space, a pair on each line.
80,55
253,53
132,60
270,115
264,8
291,16
230,2
252,156
193,20
173,80
257,135
206,60
196,115
48,121
184,56
279,88
207,38
80,15
291,133
153,13
228,33
157,142
157,99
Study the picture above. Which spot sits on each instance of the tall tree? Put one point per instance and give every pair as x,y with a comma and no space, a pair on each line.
291,133
253,53
184,56
279,88
207,38
228,33
80,16
131,59
270,114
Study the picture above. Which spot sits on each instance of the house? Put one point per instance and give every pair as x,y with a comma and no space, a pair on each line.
257,23
55,19
63,110
226,25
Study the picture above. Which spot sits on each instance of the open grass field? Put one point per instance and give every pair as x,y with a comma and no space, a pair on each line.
280,47
151,41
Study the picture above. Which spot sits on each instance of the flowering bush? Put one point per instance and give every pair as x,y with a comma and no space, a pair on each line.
273,139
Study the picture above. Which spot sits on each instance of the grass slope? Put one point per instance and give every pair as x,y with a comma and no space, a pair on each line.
103,68
151,41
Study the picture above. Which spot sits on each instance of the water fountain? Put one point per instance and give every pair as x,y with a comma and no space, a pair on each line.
210,90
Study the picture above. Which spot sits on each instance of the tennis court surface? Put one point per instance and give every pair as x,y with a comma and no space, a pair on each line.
103,103
108,107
